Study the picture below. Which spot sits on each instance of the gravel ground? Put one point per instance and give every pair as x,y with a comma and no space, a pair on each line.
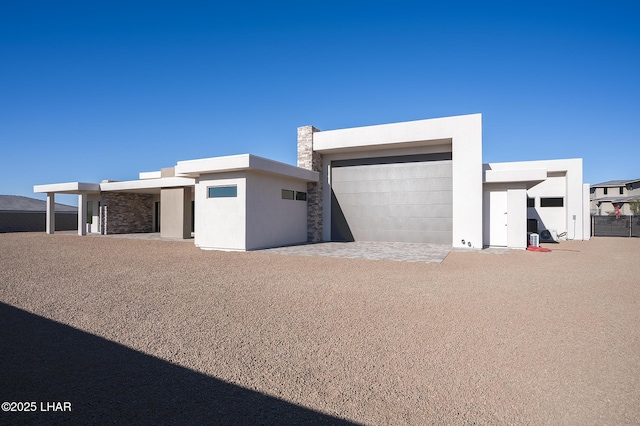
158,332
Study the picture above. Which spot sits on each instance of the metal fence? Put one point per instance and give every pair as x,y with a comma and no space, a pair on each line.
613,226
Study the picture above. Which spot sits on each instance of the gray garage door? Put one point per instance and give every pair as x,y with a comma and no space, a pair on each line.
401,199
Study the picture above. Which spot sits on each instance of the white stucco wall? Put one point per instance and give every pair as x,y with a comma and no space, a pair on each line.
516,213
564,179
517,218
272,221
95,213
550,217
220,222
464,133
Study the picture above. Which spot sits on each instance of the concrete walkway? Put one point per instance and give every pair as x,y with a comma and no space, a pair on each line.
404,252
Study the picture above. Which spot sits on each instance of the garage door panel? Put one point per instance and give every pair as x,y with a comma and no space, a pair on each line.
418,210
393,185
396,198
398,214
376,223
433,237
393,171
409,202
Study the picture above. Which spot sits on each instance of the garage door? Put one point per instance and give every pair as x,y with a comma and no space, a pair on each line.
399,199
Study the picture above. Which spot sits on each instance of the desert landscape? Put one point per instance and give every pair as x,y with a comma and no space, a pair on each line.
160,332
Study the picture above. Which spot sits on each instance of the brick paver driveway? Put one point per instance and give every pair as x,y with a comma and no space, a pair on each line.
404,252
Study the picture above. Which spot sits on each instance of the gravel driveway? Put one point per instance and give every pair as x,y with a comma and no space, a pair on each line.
156,332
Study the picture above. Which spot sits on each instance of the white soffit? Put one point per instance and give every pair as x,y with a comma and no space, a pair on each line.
245,162
169,182
506,176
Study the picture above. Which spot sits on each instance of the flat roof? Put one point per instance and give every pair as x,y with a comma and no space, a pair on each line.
143,186
230,163
67,187
147,185
514,175
433,131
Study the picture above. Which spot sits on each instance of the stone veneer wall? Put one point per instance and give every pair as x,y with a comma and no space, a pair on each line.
125,213
311,160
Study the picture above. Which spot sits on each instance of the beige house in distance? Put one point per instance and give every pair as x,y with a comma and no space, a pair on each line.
606,196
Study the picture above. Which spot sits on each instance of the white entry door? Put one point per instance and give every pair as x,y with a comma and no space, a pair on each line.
498,218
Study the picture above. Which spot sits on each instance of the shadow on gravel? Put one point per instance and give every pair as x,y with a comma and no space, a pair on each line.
48,362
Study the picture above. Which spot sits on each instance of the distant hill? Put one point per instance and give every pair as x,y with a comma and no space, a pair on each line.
18,203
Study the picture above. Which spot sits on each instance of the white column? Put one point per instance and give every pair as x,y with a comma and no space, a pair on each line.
82,214
51,213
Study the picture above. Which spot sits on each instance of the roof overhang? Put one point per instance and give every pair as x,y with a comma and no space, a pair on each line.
243,162
435,131
68,188
147,186
529,177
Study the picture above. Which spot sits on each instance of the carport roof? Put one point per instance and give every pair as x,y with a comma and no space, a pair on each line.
147,185
142,186
68,187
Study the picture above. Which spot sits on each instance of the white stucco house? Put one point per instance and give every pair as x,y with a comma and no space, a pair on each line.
417,181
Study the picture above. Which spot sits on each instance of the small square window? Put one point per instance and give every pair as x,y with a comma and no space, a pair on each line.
223,191
288,194
301,196
531,202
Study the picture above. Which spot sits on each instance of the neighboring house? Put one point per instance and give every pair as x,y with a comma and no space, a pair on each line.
606,196
420,181
24,214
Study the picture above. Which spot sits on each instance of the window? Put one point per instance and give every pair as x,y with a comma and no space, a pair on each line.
301,196
288,194
605,191
223,191
552,202
622,190
531,202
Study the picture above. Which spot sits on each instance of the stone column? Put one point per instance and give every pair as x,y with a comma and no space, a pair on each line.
82,214
311,160
51,213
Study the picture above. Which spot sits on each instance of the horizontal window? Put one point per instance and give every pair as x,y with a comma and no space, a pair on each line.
531,202
301,196
288,194
223,191
552,202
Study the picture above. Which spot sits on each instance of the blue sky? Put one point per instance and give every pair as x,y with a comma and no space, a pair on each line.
105,89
